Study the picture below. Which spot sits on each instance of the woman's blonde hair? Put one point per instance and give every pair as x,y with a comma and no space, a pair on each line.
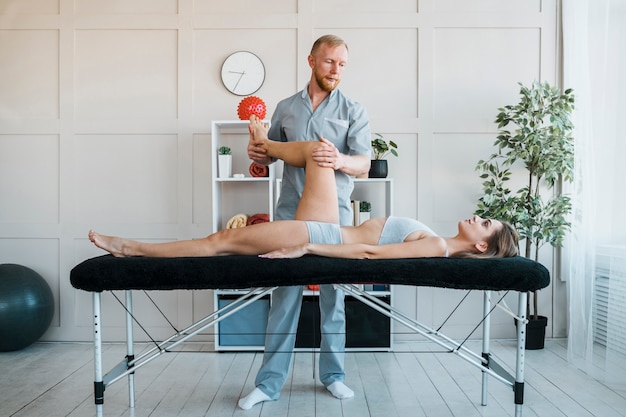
503,243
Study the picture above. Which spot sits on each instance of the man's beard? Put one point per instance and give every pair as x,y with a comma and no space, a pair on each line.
324,84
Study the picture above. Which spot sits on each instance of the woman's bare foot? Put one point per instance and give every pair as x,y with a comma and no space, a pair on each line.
259,130
114,245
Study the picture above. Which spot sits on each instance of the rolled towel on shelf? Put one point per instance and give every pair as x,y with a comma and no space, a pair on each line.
258,218
258,170
238,220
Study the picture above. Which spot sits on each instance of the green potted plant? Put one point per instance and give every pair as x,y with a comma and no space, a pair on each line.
365,211
225,161
380,149
542,144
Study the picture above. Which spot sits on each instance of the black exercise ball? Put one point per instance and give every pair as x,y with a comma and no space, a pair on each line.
26,307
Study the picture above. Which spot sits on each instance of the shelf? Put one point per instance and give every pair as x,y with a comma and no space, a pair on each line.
374,293
305,293
244,179
366,180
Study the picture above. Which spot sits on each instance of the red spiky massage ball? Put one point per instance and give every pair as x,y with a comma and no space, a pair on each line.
251,105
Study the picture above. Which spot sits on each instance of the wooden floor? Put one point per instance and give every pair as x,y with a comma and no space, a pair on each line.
56,379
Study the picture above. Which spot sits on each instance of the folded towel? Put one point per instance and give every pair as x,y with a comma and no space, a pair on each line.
238,220
258,218
258,170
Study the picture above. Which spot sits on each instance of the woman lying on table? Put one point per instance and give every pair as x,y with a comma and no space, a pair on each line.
316,231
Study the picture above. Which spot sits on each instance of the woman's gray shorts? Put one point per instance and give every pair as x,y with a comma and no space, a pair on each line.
324,233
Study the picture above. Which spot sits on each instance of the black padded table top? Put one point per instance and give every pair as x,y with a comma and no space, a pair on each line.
105,273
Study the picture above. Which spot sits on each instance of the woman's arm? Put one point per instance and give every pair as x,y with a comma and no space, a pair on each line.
422,248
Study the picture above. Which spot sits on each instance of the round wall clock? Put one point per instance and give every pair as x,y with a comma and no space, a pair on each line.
243,73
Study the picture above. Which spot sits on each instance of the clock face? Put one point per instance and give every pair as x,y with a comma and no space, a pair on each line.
243,73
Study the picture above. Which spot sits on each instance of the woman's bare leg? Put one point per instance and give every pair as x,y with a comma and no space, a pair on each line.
249,240
319,200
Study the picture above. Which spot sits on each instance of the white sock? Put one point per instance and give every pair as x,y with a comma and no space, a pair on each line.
252,399
340,390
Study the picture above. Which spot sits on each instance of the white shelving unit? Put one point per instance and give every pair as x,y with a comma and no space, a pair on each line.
234,134
245,330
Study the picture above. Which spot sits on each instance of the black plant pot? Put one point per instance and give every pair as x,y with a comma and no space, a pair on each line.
378,168
536,332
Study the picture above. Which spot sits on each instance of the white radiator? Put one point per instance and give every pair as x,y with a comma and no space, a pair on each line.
609,302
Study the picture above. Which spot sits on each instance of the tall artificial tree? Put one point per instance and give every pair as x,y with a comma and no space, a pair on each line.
535,133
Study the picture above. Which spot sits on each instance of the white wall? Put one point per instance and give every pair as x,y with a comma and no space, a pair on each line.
105,111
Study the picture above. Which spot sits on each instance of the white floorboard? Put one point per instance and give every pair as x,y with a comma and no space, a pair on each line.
416,380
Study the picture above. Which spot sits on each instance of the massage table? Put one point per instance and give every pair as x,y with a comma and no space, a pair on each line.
262,276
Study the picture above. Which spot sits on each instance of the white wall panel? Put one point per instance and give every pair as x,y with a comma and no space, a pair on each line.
29,179
146,313
437,306
11,8
455,179
365,6
476,71
246,6
202,182
489,6
95,7
29,82
126,74
377,75
126,178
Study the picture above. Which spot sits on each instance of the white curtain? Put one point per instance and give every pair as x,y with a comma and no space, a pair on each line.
594,65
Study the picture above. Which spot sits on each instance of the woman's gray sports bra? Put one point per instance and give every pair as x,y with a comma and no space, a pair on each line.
396,229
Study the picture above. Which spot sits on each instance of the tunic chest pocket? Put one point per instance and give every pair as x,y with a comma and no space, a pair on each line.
335,130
